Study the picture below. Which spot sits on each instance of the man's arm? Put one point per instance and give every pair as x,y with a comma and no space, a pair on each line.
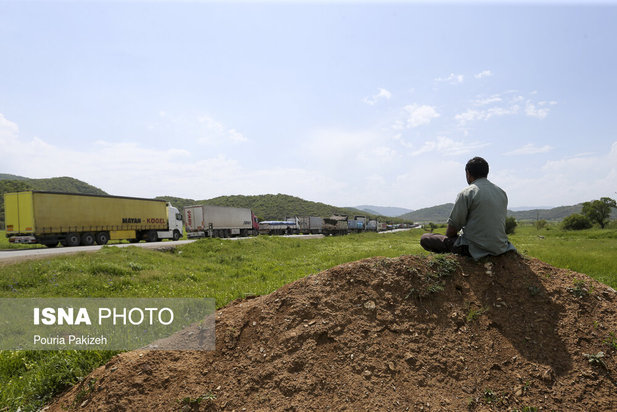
451,231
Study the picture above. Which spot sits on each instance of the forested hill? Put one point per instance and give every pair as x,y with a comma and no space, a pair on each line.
270,206
436,214
10,183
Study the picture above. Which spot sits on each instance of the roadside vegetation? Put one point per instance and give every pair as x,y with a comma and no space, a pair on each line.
228,270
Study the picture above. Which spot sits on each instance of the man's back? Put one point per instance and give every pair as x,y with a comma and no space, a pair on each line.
480,210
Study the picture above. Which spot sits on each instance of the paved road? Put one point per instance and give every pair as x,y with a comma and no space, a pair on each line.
14,255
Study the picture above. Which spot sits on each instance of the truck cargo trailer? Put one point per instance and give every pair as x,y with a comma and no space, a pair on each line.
310,224
335,225
74,219
278,227
219,221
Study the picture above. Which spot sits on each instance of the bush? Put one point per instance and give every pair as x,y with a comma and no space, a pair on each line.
576,222
541,224
510,225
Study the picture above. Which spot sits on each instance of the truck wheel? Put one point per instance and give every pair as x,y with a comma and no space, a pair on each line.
176,235
87,239
51,244
151,236
72,239
102,238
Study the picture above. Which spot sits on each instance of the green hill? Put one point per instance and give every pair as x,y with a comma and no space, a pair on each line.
554,214
12,183
439,214
4,176
270,206
435,214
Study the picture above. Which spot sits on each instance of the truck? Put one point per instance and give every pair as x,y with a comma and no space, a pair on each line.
335,225
310,224
219,221
279,227
74,219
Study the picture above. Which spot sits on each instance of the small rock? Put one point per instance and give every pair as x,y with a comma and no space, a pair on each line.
391,367
518,391
468,389
367,373
370,305
548,375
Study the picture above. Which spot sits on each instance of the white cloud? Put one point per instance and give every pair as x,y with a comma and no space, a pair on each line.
530,149
448,147
586,177
215,130
131,169
484,101
483,74
416,115
539,111
8,129
472,114
202,129
341,152
451,79
503,106
381,95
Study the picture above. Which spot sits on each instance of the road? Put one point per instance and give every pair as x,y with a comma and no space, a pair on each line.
14,255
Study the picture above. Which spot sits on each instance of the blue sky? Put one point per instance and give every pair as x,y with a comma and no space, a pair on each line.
344,103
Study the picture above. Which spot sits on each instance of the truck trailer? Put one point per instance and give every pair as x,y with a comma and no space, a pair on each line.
335,225
310,224
74,219
219,221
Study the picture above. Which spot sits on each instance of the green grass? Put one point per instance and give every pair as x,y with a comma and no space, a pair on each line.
592,251
222,269
227,270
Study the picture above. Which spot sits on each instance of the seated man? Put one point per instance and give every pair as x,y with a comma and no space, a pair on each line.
479,213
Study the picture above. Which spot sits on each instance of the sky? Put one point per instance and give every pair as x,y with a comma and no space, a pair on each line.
345,103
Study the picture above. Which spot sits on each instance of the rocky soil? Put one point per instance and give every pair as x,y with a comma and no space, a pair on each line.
437,333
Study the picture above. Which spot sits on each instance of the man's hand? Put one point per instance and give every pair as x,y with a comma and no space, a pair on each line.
451,231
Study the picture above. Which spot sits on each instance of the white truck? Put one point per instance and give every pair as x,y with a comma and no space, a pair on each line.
219,221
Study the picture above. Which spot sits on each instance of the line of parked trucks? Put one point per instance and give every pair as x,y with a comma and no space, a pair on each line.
51,218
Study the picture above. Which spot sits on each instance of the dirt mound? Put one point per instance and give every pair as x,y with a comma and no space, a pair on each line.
411,333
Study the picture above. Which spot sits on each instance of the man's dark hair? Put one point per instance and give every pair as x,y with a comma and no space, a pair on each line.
477,167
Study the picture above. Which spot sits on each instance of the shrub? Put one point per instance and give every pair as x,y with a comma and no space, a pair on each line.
576,222
541,224
510,225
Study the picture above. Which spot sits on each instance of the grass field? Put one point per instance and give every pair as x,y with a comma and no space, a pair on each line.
227,270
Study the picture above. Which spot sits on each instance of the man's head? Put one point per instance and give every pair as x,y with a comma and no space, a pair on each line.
476,168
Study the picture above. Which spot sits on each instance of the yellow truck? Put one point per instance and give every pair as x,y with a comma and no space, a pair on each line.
73,219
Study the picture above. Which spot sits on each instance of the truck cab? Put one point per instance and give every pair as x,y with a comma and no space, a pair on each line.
174,217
